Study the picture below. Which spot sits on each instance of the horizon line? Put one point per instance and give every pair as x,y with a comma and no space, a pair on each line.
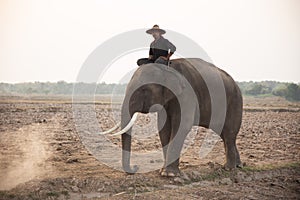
103,82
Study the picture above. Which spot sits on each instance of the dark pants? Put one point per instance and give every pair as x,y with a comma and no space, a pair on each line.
144,61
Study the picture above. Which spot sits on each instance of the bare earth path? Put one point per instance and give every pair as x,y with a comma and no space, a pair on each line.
41,157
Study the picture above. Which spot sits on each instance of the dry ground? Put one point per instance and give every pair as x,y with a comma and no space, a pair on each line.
42,156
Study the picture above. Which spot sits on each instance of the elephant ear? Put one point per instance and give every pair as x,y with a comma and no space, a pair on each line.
174,84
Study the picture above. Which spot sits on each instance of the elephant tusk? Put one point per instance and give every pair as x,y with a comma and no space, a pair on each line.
129,125
111,130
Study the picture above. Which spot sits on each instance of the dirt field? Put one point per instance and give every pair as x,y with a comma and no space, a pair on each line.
42,156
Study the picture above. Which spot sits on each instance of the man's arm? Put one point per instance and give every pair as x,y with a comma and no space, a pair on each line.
171,49
150,53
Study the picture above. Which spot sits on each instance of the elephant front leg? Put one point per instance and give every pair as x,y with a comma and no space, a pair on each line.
172,159
178,135
168,125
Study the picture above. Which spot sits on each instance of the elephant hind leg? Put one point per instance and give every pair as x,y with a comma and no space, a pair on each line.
232,154
239,163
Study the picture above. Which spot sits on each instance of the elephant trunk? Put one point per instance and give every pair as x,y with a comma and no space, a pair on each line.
126,154
126,143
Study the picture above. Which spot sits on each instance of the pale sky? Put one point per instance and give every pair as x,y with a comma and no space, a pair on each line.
48,40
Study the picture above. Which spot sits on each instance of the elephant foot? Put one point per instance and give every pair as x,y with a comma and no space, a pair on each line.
130,170
239,165
229,167
169,172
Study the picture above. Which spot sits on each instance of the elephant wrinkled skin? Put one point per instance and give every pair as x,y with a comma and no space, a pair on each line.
192,92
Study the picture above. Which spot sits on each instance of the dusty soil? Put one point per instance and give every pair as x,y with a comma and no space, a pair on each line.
42,156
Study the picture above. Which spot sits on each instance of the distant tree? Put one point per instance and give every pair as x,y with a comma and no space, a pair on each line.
280,90
293,92
30,90
254,89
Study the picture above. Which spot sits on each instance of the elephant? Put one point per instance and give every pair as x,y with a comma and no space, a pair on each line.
184,94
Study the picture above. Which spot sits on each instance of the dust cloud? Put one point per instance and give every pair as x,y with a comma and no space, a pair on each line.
29,163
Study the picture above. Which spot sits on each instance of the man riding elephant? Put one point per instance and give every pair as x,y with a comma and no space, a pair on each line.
161,49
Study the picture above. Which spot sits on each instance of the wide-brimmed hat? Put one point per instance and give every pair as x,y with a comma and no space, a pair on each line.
155,28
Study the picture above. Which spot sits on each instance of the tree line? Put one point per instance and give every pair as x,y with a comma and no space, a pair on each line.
60,88
290,91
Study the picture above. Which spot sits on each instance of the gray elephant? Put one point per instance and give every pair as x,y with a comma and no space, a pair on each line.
189,92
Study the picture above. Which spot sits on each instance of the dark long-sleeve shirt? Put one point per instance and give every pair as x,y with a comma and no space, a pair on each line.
161,47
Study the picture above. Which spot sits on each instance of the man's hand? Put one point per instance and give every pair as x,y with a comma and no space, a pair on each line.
165,58
168,56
